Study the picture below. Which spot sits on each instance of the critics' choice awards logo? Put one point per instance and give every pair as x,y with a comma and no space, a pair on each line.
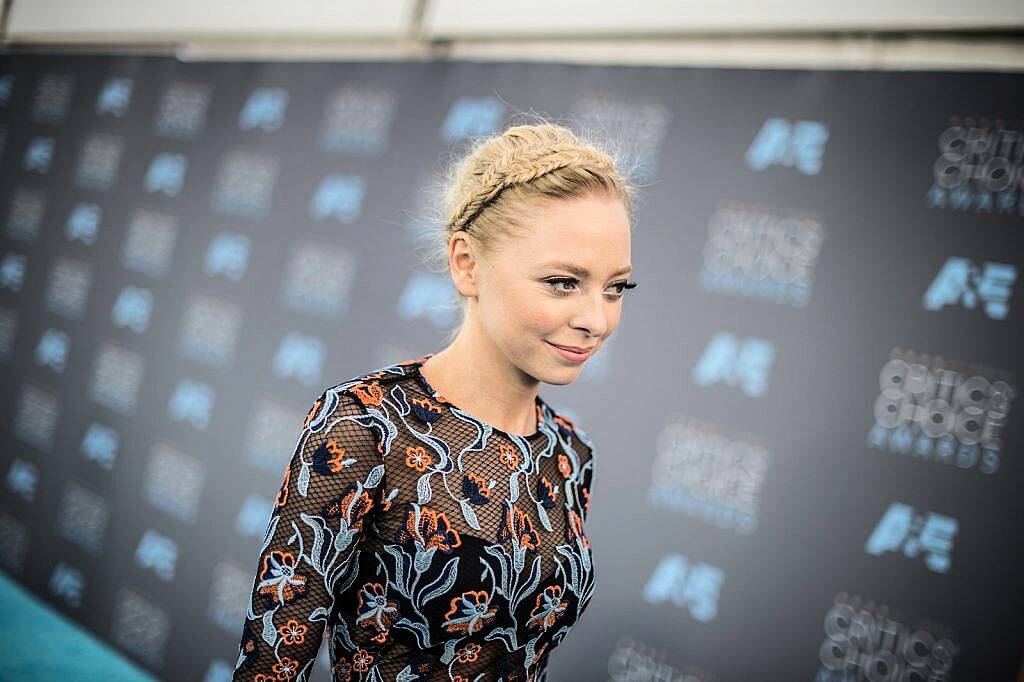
709,475
639,127
972,285
762,252
980,167
870,642
943,411
357,120
915,533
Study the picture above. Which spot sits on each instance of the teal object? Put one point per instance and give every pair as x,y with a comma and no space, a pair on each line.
42,644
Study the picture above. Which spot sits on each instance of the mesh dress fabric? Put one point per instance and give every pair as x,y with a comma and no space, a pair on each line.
425,543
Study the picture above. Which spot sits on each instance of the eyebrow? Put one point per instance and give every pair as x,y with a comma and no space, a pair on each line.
582,272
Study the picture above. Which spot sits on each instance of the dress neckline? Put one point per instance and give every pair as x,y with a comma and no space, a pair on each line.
414,366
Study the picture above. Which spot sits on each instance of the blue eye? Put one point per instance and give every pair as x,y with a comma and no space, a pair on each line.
555,281
560,280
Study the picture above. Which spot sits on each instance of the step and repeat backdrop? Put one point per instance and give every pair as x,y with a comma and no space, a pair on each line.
808,463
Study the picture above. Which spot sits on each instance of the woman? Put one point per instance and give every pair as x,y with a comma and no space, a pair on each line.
431,519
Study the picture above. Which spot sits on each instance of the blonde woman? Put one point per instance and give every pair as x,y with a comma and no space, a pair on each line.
432,518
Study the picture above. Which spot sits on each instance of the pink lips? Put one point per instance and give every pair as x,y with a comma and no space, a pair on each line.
572,353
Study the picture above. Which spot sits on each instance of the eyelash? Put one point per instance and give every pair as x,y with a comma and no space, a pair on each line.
558,280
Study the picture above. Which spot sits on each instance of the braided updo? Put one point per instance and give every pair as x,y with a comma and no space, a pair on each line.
489,192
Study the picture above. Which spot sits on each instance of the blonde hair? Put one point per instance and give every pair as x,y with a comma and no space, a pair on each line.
490,189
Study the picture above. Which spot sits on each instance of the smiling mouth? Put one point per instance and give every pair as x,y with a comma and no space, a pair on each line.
573,349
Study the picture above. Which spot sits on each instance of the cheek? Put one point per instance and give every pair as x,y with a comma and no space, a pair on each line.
534,313
544,319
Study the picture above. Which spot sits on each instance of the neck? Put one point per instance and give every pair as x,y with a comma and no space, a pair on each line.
476,376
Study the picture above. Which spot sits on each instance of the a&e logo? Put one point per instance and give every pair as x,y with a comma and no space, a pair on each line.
686,583
961,282
736,362
902,528
799,144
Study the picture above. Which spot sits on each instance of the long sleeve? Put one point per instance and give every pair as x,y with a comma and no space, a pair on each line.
330,489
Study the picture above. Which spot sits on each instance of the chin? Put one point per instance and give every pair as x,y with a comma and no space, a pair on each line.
563,374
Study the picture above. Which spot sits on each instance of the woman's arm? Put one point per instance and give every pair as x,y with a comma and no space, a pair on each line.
330,489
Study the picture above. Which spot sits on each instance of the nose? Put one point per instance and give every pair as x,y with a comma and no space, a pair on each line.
592,315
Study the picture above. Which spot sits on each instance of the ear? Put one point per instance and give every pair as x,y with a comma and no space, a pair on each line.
462,263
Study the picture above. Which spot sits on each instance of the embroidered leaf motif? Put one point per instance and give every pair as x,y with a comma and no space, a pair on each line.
422,636
449,574
271,529
269,631
407,675
449,651
543,514
398,395
424,558
467,511
374,478
303,483
423,489
318,539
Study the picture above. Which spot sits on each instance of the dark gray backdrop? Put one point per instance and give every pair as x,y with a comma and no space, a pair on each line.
193,251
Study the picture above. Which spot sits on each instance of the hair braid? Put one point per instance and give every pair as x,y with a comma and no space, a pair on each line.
523,163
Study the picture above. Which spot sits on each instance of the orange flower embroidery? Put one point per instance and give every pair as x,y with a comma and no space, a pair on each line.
468,612
361,660
507,455
350,507
416,456
286,668
337,455
475,488
369,393
517,525
279,578
293,632
548,608
432,530
468,654
426,407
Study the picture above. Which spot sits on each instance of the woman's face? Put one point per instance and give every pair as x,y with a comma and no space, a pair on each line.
560,283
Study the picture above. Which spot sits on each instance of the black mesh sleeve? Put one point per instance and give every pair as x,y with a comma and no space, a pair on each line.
330,489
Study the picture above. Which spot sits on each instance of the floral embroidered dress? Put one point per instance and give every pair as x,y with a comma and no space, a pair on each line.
425,543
